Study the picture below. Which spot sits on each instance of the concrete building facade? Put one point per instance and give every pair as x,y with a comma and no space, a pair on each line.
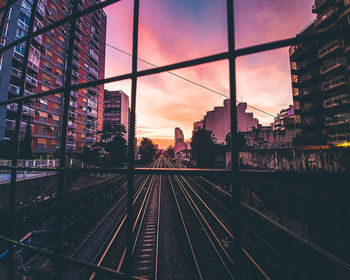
320,78
219,120
116,109
47,60
179,140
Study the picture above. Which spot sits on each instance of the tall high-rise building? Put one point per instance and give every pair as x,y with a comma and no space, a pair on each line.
116,109
179,140
46,66
321,80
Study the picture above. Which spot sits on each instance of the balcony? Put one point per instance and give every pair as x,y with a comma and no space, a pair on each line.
75,54
33,66
70,146
94,56
75,74
30,80
320,5
11,125
338,119
335,83
89,130
324,18
330,48
71,136
74,94
16,73
79,27
334,64
89,140
25,110
75,64
14,89
92,114
92,91
336,101
78,36
73,104
305,78
27,93
72,115
72,125
90,122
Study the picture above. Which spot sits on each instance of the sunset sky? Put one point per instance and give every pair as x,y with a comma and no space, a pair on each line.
172,31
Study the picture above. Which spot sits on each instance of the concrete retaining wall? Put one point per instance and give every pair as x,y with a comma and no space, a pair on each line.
336,160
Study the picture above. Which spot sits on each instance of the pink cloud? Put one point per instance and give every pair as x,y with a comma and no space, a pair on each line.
165,101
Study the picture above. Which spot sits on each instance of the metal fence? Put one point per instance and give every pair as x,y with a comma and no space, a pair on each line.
71,20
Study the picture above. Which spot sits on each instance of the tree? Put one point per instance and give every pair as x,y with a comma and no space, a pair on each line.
114,143
26,144
203,147
170,152
6,147
147,150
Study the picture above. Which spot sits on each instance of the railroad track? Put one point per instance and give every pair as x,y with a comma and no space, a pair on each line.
113,253
300,259
212,260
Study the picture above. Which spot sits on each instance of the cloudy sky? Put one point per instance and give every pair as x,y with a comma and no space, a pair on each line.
172,31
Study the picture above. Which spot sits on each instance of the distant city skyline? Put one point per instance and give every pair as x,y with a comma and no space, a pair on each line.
176,31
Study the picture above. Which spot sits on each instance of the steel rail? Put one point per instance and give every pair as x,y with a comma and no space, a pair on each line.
143,209
283,228
288,262
228,270
226,227
193,206
186,230
158,226
114,232
100,223
69,261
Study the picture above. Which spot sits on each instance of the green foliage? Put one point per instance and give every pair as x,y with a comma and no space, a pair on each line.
203,147
170,152
114,144
147,150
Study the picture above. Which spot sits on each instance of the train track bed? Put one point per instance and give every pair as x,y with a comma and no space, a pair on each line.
175,258
293,259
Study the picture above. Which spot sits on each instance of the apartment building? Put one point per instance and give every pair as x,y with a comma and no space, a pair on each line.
45,71
321,80
116,109
219,120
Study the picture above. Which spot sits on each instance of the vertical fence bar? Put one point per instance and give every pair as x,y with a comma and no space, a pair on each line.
131,144
235,180
63,143
16,138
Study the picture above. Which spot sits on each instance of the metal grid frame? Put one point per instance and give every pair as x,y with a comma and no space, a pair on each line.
231,55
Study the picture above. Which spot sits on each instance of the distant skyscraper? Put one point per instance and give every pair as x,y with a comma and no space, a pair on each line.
219,120
116,109
179,140
46,66
320,78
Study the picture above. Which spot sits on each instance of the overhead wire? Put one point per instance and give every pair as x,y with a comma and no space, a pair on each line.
190,81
